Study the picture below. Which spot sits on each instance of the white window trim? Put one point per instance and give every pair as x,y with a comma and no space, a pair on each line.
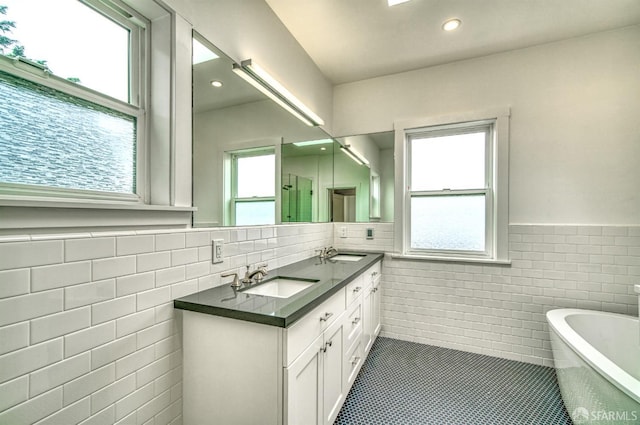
500,205
157,202
225,154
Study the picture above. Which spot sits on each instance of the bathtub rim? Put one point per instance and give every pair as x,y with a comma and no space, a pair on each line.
613,373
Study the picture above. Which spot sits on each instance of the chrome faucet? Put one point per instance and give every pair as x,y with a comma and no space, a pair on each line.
327,252
323,253
257,275
330,252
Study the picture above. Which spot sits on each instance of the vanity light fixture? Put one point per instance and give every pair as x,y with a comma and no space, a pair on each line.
313,142
269,86
451,24
353,154
394,2
216,83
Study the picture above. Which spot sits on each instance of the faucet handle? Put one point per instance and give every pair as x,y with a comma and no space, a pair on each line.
235,283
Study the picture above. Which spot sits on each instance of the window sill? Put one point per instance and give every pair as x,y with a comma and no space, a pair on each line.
451,259
21,214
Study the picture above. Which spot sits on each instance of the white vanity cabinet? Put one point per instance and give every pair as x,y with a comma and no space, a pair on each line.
241,372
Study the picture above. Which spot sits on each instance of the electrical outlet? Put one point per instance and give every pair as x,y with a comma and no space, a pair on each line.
343,232
216,255
369,233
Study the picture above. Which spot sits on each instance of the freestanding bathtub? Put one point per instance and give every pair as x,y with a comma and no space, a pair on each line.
597,361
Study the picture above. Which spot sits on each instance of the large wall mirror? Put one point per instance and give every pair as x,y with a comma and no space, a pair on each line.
254,163
238,134
363,178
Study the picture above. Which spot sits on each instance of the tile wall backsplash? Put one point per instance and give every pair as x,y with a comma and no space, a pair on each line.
88,333
500,310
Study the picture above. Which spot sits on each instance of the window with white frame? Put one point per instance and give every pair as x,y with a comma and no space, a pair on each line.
455,191
72,122
253,187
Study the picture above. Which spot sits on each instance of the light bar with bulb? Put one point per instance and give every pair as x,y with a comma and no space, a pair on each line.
351,153
313,142
260,79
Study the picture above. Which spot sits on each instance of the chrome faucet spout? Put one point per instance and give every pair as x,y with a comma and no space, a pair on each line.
330,252
258,274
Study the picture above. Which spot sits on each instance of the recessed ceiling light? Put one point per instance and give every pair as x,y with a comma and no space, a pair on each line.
216,83
394,2
451,24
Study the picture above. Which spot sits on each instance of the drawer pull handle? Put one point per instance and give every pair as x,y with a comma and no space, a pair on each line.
325,346
355,360
357,289
374,274
356,321
326,317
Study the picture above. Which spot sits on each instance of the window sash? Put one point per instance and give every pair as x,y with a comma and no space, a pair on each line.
486,126
138,69
235,199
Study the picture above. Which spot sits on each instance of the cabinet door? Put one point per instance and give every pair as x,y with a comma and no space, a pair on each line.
375,306
333,372
367,319
304,386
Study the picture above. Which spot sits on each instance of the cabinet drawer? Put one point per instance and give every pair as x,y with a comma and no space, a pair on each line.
355,288
353,324
353,360
372,273
304,331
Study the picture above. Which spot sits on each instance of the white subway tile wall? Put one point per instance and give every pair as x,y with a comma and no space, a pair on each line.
499,310
88,333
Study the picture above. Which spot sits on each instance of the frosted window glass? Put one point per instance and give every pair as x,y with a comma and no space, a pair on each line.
256,176
253,213
49,138
448,222
448,162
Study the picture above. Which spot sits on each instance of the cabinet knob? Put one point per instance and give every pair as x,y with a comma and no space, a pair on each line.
356,321
374,274
355,360
357,289
326,317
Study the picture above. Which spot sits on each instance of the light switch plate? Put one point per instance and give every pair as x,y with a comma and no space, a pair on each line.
343,232
217,254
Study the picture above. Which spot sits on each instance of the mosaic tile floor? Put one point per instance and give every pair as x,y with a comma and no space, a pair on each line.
405,383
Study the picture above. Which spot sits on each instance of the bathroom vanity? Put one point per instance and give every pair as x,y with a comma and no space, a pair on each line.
263,355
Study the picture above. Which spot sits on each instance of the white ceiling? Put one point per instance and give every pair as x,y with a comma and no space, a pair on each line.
352,40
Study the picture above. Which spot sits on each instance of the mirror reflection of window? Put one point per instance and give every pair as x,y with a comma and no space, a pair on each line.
374,197
253,187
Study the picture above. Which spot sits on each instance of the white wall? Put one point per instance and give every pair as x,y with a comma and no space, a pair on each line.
574,146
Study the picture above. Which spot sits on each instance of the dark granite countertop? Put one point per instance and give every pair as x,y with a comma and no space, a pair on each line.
282,312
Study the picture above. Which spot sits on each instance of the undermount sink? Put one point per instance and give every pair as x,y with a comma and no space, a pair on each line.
280,287
347,257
